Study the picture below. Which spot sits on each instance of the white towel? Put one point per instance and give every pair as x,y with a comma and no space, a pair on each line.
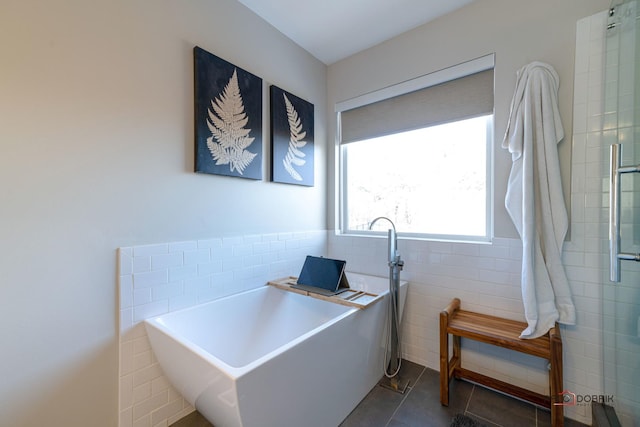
534,197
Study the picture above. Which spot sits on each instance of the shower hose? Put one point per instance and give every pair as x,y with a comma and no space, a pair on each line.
393,316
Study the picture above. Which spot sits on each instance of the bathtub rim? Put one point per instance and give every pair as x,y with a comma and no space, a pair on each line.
232,371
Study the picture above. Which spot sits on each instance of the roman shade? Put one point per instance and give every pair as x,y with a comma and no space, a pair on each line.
462,98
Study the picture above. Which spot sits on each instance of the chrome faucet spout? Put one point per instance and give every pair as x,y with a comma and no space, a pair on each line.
385,218
393,239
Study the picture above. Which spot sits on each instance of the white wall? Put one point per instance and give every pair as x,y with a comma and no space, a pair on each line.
518,32
96,153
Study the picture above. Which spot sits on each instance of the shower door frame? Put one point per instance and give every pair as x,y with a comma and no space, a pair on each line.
621,283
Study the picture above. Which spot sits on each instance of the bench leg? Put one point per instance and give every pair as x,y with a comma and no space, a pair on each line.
456,360
555,381
444,361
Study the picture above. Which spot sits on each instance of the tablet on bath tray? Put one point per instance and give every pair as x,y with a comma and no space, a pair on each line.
323,276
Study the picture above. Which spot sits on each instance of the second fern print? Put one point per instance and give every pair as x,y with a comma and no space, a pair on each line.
291,138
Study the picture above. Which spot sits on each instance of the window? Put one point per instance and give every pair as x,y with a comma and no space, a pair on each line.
421,156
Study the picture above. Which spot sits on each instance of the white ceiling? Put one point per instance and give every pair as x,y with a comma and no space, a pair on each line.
335,29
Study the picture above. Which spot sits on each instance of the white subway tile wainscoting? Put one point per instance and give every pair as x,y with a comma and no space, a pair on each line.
160,278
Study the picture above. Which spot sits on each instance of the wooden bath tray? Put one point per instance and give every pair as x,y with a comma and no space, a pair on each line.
350,297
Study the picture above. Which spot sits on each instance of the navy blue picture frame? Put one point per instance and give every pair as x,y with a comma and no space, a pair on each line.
292,132
228,118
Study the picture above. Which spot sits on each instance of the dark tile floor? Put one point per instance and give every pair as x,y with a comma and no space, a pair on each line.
420,406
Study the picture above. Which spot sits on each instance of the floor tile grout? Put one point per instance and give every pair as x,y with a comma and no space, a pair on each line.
466,408
405,397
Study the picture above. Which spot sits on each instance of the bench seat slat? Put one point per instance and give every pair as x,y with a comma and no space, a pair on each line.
497,331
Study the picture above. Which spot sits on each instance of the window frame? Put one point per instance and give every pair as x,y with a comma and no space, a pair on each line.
442,76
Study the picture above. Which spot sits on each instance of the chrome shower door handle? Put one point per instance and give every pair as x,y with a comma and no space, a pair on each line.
614,213
615,256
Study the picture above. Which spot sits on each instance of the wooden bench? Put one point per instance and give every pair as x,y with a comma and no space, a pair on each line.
503,333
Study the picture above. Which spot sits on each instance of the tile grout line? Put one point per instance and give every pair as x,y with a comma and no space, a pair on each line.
405,397
466,409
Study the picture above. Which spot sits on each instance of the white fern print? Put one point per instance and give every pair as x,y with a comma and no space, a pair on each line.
296,140
229,138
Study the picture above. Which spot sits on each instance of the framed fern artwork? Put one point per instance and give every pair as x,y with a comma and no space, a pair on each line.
228,118
291,138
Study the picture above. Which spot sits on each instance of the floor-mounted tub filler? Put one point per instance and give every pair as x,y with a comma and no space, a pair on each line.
271,358
392,378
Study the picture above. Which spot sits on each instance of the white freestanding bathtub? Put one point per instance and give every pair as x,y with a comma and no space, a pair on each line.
272,358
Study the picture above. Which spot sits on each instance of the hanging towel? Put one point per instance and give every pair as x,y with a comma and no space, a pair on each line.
534,198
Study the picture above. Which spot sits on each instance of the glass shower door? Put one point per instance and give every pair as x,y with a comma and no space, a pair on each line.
621,289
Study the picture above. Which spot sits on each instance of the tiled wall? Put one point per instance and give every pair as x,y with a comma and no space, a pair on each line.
160,278
603,105
486,277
